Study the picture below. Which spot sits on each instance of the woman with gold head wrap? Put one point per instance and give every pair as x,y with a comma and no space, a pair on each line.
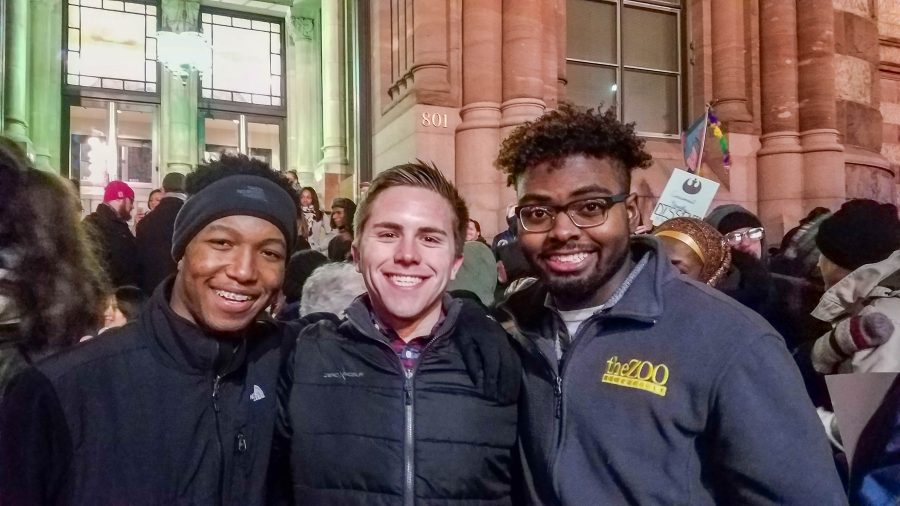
696,248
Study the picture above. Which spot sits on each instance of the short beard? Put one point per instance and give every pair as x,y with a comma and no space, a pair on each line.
573,290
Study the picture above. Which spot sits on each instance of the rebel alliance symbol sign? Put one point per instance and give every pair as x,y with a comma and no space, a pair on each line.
685,194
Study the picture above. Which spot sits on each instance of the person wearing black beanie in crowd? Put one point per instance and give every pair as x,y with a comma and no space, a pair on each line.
179,406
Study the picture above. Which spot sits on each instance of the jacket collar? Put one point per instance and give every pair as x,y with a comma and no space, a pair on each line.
108,213
360,316
182,345
867,281
643,301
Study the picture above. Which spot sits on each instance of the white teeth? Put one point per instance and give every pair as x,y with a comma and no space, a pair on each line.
405,281
574,258
233,296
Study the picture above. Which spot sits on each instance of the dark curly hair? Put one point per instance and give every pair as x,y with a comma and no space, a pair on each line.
231,165
569,131
52,271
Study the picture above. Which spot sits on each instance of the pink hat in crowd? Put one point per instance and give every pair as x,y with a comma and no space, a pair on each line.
117,190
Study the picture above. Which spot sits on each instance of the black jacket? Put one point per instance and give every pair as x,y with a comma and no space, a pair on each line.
154,243
875,477
358,431
155,412
116,246
674,395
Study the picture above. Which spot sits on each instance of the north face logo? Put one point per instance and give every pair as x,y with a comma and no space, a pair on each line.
252,192
257,394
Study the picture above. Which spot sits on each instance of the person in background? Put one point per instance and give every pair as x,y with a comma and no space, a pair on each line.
473,232
331,288
293,178
52,289
154,234
178,407
695,248
860,264
414,391
477,277
108,229
299,268
798,255
342,212
154,198
317,228
122,307
640,386
339,248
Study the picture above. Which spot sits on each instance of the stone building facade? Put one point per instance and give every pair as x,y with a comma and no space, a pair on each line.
808,90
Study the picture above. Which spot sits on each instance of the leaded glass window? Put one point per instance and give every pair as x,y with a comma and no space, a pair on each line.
247,62
111,44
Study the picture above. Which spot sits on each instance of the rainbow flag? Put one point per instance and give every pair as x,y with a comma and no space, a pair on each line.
693,140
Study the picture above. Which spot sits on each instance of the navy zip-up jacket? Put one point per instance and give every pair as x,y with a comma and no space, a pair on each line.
677,394
155,412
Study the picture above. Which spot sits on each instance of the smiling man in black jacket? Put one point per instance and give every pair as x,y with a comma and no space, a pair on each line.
411,398
178,407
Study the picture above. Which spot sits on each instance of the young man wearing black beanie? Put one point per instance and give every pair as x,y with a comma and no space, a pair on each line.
179,406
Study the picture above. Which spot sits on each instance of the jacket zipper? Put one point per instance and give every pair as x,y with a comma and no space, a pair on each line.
215,399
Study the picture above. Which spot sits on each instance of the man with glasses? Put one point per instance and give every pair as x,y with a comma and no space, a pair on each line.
641,386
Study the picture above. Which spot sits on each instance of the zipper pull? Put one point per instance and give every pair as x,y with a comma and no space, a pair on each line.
241,443
215,393
407,392
557,392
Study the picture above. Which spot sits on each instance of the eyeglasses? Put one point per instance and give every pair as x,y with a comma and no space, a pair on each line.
585,213
754,234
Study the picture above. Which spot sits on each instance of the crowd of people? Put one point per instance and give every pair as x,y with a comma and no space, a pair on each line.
246,346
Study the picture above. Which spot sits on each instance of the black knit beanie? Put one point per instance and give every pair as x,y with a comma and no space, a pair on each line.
237,195
861,232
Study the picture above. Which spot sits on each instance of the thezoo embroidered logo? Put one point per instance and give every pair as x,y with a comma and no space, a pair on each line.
639,374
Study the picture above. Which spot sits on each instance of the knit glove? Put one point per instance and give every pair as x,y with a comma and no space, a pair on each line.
849,336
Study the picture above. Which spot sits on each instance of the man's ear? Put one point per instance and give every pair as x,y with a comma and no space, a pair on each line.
354,251
634,212
456,265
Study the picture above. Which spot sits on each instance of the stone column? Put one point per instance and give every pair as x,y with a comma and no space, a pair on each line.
729,68
15,118
549,53
523,83
823,161
179,150
46,82
561,28
478,135
780,162
304,119
337,171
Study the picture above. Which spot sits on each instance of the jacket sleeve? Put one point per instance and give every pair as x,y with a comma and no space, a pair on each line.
884,358
35,445
765,443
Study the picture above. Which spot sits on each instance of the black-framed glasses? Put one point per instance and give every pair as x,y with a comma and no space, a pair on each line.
585,213
754,234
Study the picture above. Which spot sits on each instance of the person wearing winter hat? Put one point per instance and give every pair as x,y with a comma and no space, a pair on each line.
108,229
179,406
342,212
742,229
861,268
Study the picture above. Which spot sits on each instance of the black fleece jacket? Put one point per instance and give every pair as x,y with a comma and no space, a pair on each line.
155,412
355,429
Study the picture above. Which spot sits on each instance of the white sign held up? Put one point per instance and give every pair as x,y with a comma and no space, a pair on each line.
685,194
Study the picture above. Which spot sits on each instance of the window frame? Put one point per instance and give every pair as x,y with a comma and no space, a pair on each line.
213,104
77,90
620,67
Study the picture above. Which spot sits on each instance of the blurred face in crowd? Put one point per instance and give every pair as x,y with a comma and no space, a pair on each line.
122,207
748,240
231,271
291,177
154,200
683,258
406,254
581,267
306,198
337,214
472,231
831,272
112,316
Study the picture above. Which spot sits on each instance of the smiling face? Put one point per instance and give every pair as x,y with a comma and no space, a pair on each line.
337,214
154,200
471,231
306,198
406,254
231,271
581,267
